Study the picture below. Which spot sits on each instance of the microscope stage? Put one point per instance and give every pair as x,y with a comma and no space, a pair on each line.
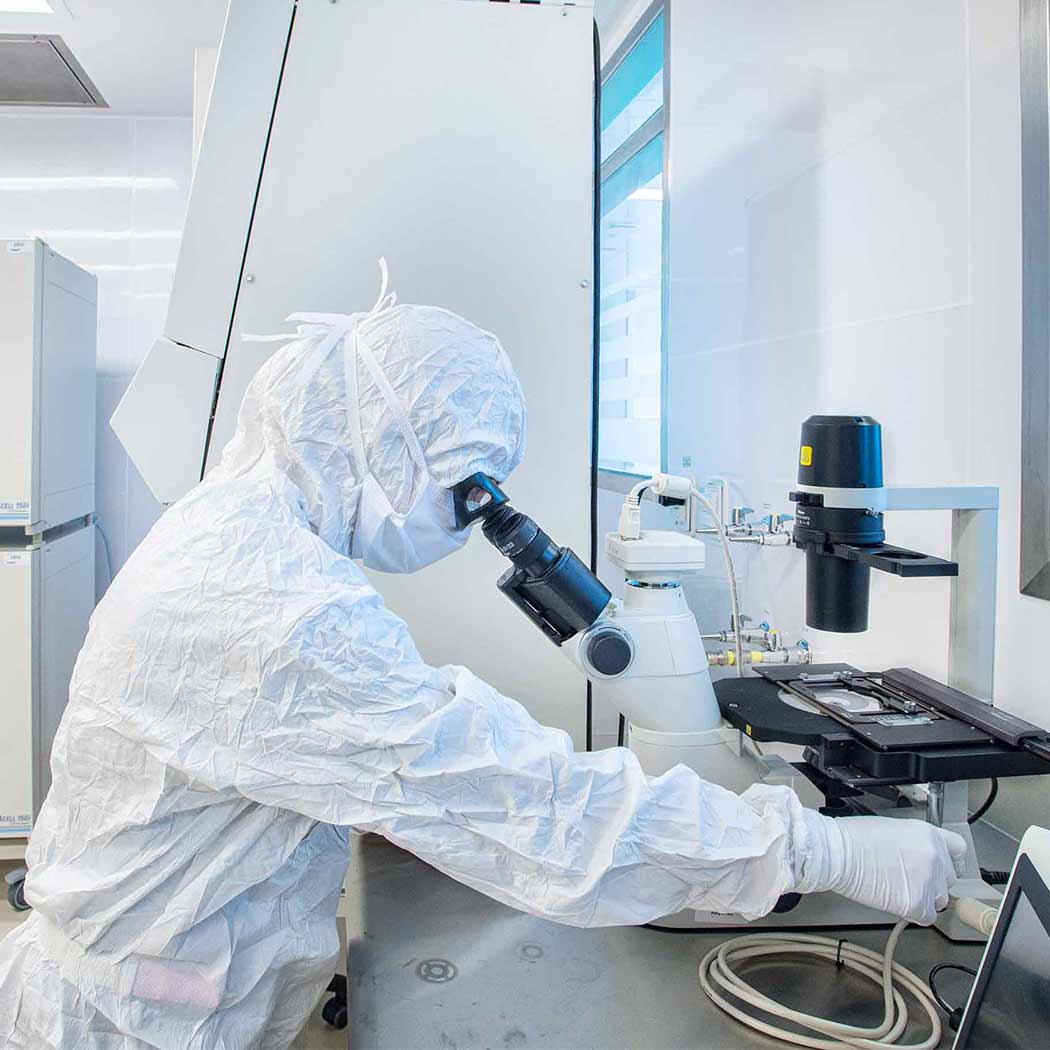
895,727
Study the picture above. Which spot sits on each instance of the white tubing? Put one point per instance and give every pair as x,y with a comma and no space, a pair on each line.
978,915
722,984
730,572
635,494
630,527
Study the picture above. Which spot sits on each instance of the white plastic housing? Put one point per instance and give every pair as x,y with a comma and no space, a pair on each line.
668,686
712,754
656,556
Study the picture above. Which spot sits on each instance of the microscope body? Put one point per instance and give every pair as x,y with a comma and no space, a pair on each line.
645,650
667,688
647,661
644,653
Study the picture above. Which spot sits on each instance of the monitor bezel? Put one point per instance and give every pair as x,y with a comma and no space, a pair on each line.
1027,880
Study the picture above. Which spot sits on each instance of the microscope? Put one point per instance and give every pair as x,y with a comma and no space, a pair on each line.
644,654
893,742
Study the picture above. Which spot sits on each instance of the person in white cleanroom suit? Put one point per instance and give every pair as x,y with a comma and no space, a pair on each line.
244,697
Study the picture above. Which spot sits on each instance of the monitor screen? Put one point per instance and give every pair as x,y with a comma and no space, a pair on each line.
1010,1005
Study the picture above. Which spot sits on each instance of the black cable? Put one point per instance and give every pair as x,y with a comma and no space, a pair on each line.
995,877
621,735
986,804
678,929
595,332
954,1013
873,926
589,733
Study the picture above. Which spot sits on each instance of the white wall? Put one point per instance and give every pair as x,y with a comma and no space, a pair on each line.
844,237
993,410
110,194
818,263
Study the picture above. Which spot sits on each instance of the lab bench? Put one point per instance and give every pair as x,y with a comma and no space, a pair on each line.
434,964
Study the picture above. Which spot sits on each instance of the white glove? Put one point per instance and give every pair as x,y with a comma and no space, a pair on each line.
904,867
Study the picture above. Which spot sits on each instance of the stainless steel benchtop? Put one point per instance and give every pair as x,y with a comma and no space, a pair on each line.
434,964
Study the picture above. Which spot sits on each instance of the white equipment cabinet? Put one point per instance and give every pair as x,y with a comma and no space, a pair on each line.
47,399
455,138
47,498
46,598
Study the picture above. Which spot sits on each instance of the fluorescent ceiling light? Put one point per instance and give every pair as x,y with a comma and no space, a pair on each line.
25,7
85,182
108,235
127,267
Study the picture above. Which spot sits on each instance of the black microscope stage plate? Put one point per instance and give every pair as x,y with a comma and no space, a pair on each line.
753,706
868,754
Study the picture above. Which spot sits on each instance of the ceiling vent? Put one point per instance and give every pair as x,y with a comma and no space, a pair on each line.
40,70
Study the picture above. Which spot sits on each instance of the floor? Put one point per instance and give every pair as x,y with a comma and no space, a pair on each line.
318,1036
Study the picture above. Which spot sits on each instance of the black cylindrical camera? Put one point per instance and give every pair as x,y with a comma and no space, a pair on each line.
547,582
837,452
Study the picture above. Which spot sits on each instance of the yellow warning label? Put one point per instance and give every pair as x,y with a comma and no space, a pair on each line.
806,456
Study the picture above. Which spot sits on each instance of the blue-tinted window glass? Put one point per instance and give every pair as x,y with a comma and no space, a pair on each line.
634,91
630,343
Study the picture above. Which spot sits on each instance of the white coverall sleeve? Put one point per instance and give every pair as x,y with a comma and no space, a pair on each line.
352,728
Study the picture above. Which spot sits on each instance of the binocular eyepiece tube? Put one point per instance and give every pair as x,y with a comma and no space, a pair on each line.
547,582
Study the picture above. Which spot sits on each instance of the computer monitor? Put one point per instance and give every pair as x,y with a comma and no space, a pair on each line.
1009,1006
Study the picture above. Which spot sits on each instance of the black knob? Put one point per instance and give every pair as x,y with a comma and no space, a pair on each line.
609,651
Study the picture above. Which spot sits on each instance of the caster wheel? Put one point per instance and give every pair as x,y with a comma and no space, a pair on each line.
16,896
786,902
334,1012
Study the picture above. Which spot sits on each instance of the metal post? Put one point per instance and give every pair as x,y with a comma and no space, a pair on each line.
971,634
975,547
935,804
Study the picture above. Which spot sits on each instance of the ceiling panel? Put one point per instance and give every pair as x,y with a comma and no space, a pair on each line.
39,70
139,53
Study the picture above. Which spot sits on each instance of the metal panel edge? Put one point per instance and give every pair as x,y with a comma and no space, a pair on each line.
546,679
1035,384
226,180
35,493
162,419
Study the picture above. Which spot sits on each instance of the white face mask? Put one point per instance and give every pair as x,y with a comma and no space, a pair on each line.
386,539
392,542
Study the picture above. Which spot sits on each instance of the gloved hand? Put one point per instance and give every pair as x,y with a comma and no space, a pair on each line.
904,867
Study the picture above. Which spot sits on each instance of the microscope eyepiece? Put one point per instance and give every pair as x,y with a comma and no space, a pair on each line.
476,498
547,582
517,537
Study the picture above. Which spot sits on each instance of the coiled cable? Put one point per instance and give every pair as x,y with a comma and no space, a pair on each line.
722,984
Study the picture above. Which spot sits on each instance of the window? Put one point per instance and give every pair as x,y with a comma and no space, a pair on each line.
630,378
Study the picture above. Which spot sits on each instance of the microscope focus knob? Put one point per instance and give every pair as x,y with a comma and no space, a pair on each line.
607,650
